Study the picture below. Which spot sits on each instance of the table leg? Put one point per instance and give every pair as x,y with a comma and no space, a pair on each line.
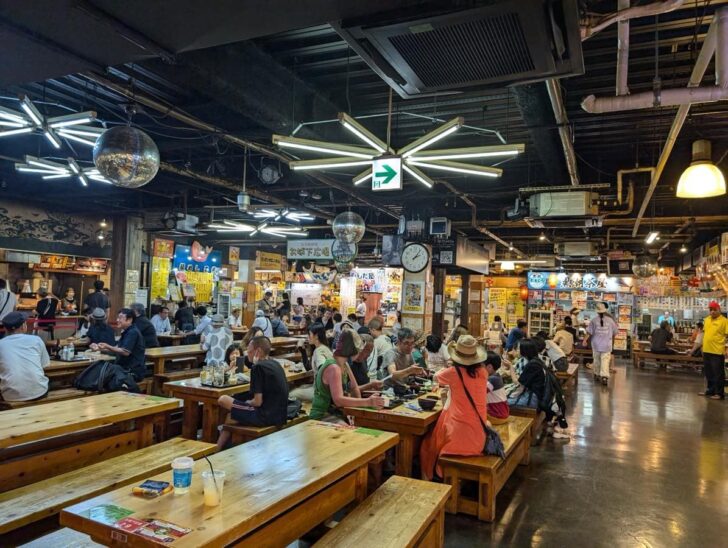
362,475
145,427
212,416
159,366
404,455
191,419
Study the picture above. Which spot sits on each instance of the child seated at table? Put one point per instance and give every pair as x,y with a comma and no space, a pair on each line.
498,410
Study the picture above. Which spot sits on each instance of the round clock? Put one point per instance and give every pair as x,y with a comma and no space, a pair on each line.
415,257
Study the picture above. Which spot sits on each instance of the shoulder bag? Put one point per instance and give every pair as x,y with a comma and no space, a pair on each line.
493,443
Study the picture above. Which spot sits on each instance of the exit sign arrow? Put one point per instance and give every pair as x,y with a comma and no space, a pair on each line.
387,175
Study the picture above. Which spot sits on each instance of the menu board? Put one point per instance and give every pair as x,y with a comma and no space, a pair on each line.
72,264
161,267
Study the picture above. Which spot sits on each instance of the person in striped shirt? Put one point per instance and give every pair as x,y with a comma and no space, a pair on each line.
498,410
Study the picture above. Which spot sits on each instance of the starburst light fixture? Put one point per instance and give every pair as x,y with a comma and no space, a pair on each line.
31,120
282,231
412,156
55,170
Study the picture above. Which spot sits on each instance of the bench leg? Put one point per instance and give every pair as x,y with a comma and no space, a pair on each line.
212,416
145,426
405,455
362,475
486,498
451,478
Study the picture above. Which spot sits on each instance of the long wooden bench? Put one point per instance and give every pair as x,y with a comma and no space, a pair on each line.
639,357
62,538
569,376
402,513
490,473
46,498
61,394
241,434
538,417
168,376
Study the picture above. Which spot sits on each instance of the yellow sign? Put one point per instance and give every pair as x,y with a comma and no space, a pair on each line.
268,261
160,277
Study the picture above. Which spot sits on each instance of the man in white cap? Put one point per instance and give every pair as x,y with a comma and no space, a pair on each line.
601,332
263,322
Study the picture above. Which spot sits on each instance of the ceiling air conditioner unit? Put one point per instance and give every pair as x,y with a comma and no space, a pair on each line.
576,249
505,42
563,204
187,223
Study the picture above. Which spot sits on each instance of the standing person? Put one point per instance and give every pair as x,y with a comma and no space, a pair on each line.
184,318
284,307
574,315
499,327
263,323
160,321
45,311
216,341
129,350
516,334
266,304
267,402
298,310
235,319
361,310
97,299
23,359
145,327
715,330
601,332
8,301
459,429
68,302
666,317
659,339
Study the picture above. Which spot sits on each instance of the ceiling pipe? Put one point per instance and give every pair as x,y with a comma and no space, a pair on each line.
562,121
718,35
622,50
701,65
630,191
594,24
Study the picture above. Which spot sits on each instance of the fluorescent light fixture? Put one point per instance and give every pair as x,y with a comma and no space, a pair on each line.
9,123
13,116
18,131
32,112
432,137
507,265
45,164
457,167
19,167
324,147
651,237
471,152
82,178
52,137
363,176
521,261
303,165
298,217
362,133
85,131
59,176
75,119
76,138
417,174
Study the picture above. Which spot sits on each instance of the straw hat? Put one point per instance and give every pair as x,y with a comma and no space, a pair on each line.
467,351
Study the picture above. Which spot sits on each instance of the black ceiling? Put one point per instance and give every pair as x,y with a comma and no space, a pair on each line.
257,68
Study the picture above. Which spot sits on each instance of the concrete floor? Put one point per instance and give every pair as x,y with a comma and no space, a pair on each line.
647,465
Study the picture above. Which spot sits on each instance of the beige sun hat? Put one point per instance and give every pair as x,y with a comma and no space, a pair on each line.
466,351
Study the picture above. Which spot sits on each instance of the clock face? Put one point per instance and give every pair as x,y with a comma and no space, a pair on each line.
415,257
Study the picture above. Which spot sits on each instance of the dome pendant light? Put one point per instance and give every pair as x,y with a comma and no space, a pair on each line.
702,179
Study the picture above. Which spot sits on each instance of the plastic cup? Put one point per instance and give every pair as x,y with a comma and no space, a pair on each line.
212,489
182,474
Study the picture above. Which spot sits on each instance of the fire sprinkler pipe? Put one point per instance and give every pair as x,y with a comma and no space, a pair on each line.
594,24
701,65
562,121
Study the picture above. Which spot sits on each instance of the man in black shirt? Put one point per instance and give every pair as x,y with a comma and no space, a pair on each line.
267,402
184,318
97,299
145,326
659,339
130,348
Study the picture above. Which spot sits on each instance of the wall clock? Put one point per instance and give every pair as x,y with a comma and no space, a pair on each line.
415,257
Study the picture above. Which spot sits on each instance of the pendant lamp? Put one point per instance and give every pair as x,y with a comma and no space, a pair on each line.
702,179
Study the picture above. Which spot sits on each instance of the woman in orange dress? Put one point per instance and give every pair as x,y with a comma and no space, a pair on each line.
459,431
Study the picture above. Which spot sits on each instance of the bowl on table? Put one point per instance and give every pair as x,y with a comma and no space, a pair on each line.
427,404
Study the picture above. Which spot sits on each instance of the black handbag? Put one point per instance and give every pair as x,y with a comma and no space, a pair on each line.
493,442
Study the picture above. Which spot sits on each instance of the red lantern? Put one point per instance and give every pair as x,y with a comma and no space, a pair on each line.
523,293
553,280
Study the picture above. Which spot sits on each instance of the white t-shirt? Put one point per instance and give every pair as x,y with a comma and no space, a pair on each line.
235,322
320,355
22,360
8,302
438,360
554,351
361,309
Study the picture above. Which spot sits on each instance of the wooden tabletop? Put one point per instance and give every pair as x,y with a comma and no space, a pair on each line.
265,478
170,336
400,419
61,365
43,421
193,388
174,351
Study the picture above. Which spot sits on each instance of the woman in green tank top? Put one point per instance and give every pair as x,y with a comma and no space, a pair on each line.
335,386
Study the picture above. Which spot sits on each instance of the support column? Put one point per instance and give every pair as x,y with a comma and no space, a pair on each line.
438,316
126,260
465,301
246,274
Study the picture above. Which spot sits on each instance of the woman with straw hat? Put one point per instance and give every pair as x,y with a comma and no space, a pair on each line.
459,429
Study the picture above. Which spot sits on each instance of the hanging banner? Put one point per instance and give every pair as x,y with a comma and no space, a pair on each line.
196,259
269,261
319,250
233,255
163,248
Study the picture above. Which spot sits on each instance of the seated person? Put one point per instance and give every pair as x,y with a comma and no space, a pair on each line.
232,353
358,363
160,321
267,402
569,326
516,334
99,331
354,321
697,349
129,350
556,356
564,337
263,323
398,362
23,358
321,353
659,339
419,353
335,386
437,354
498,410
83,324
216,341
235,319
278,325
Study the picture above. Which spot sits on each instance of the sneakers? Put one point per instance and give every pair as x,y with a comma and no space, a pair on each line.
605,381
589,365
717,397
704,393
560,434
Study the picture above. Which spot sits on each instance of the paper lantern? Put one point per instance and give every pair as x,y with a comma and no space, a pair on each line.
553,280
523,293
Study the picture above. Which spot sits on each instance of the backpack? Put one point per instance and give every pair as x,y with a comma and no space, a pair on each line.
552,394
105,376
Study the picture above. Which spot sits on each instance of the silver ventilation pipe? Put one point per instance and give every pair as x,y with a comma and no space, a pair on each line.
562,121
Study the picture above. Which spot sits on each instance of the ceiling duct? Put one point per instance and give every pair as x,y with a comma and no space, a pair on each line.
500,44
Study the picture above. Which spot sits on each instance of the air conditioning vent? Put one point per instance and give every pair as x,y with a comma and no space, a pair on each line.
503,43
563,204
576,249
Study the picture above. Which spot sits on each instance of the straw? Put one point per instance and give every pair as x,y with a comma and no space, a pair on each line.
214,480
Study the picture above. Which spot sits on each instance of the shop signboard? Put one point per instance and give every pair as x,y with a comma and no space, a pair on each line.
471,256
72,264
314,250
269,261
587,281
163,248
196,261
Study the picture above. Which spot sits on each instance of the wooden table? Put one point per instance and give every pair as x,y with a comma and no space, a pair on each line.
192,393
409,424
38,441
162,354
239,332
60,368
276,489
167,339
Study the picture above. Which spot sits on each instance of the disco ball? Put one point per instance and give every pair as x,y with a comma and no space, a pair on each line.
348,227
644,266
344,268
343,252
126,156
